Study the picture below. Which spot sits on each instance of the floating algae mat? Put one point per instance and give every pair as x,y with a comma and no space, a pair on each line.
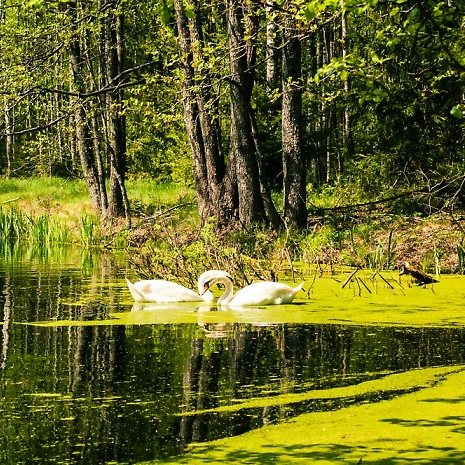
364,371
423,426
372,299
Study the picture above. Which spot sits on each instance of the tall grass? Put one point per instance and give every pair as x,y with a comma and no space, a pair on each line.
461,258
90,231
12,225
18,227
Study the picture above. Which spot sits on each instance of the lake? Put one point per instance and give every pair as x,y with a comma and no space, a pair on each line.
87,376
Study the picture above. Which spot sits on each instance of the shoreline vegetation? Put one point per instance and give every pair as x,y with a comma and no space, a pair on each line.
165,239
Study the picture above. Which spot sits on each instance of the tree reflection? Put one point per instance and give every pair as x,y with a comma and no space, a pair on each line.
89,392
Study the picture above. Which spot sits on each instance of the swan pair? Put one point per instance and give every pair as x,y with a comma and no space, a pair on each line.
256,294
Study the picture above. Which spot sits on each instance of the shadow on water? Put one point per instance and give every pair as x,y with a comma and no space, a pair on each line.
129,393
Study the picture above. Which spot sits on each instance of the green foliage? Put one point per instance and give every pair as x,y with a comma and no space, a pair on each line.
90,231
398,77
173,252
17,227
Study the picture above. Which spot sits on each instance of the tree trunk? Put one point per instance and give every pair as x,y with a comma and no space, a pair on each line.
346,132
232,191
202,130
118,204
294,167
241,60
84,144
272,69
9,129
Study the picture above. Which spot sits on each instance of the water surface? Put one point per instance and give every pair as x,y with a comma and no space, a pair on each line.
87,377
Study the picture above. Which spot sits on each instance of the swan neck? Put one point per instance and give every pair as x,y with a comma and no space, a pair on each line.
228,291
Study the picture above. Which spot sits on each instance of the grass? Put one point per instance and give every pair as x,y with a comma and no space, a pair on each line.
68,197
52,209
166,215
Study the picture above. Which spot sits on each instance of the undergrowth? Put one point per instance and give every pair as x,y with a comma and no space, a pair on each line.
167,242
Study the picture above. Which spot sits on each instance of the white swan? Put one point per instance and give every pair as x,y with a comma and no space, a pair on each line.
161,291
256,294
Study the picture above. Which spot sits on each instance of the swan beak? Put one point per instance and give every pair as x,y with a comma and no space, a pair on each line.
206,287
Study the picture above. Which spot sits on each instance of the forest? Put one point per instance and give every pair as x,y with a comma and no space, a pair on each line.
257,104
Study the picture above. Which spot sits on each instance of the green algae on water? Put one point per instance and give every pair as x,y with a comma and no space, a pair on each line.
424,426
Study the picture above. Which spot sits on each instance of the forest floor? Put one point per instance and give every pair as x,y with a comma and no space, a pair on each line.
432,243
373,239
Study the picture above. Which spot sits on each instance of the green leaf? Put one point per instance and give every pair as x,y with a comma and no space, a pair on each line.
457,112
309,12
190,11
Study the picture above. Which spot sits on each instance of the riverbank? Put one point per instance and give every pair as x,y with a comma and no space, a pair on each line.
165,215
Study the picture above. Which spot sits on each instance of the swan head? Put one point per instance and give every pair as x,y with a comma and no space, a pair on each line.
212,277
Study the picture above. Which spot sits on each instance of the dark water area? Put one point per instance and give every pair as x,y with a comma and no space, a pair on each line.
114,393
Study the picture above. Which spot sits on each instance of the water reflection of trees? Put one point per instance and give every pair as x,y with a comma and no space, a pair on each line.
256,361
131,393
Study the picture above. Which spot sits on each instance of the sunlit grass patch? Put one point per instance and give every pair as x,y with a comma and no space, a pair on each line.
151,195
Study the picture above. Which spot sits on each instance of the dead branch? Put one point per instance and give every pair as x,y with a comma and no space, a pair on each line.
347,281
419,276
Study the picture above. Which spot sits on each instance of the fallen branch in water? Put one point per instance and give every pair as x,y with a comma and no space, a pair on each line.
347,281
421,277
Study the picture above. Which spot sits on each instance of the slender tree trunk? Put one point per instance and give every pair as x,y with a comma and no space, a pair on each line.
84,144
272,68
346,132
118,204
206,201
9,129
83,139
294,167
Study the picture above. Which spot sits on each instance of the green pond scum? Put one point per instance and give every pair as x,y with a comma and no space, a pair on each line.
422,423
382,300
376,412
425,426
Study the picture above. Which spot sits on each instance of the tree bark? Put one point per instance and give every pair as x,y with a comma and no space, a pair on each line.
242,60
84,144
272,69
206,202
235,191
294,167
119,203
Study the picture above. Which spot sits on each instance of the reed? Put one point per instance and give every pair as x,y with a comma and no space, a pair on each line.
90,231
18,227
12,225
461,258
377,258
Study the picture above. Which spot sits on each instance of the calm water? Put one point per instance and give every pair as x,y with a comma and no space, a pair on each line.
115,393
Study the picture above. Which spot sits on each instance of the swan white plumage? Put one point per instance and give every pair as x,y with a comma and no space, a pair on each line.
162,291
256,294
